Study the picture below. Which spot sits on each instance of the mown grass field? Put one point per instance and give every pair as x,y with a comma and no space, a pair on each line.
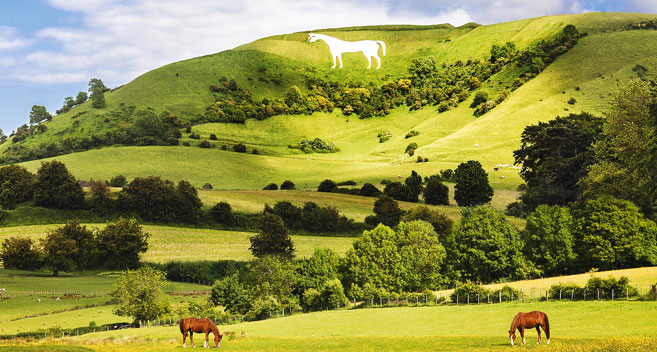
575,326
179,243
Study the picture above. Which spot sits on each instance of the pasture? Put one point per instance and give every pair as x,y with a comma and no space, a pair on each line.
575,326
179,243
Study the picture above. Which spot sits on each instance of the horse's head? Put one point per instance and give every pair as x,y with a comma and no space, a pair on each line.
312,37
512,336
217,339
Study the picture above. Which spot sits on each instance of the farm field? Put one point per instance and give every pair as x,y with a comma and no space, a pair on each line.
179,243
575,326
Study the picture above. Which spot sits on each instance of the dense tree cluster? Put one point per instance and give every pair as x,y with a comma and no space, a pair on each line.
75,247
312,217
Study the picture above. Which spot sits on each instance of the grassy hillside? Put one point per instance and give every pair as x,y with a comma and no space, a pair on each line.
590,72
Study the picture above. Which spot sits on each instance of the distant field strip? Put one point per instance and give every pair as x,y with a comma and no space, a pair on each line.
178,243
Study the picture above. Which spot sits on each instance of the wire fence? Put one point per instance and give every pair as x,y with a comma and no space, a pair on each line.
51,293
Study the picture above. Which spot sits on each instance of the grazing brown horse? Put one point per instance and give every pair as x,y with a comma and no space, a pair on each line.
530,320
193,325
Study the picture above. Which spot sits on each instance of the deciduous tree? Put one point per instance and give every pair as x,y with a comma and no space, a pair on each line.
139,294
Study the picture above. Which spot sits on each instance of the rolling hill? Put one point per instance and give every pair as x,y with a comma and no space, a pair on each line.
589,72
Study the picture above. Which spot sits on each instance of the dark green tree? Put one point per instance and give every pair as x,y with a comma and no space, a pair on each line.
436,193
612,234
39,114
222,213
549,240
273,238
287,184
16,185
59,252
290,213
472,187
320,268
485,247
413,186
97,98
189,204
441,223
120,243
96,83
81,98
148,124
20,253
554,156
387,211
272,276
56,188
369,190
397,191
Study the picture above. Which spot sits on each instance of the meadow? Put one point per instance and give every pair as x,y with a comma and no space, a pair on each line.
179,243
575,326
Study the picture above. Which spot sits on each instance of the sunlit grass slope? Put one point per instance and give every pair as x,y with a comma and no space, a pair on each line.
590,72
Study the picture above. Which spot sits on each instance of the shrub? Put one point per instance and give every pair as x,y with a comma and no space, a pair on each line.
213,137
396,191
412,133
263,309
605,287
20,253
255,151
157,200
480,97
270,187
222,213
311,300
205,144
229,292
327,186
239,147
16,185
207,186
117,181
411,147
568,291
369,190
507,293
572,101
287,184
468,292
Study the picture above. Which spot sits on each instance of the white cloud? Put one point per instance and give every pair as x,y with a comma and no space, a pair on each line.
127,38
9,38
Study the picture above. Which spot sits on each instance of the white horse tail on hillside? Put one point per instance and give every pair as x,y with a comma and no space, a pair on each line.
369,48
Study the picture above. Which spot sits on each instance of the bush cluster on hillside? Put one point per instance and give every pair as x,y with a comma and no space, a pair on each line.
315,146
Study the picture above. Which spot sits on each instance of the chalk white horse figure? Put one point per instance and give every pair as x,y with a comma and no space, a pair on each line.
369,48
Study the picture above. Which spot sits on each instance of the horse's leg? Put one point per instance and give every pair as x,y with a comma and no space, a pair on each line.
378,59
206,344
184,338
340,58
333,56
522,334
538,330
191,337
369,60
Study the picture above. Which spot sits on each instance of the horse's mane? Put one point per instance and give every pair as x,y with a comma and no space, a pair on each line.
215,329
515,322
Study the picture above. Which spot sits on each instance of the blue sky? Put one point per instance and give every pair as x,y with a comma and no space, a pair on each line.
49,49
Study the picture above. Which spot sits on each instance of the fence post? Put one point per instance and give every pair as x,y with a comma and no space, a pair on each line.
457,299
627,294
500,294
477,298
598,294
612,294
572,295
522,293
511,297
380,301
488,297
560,295
468,300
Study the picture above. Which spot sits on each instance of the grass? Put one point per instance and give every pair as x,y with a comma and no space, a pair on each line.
643,278
575,326
446,139
178,243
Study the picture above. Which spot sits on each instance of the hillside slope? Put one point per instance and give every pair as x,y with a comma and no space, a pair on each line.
590,72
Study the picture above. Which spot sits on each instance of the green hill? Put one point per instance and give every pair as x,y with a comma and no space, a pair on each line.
589,72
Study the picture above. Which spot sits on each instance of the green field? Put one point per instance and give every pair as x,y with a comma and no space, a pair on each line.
446,139
575,326
178,243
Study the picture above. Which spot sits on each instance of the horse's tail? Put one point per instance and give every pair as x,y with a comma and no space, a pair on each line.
383,46
547,327
182,326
